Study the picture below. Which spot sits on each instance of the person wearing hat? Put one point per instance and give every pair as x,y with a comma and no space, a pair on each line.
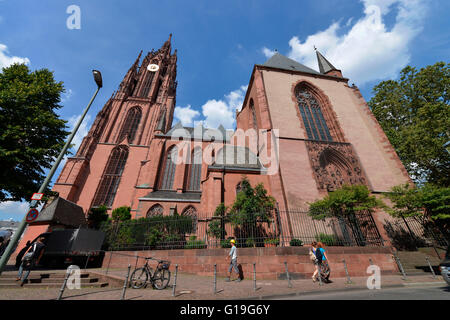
233,262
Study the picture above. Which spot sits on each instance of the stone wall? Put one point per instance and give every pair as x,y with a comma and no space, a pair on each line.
269,261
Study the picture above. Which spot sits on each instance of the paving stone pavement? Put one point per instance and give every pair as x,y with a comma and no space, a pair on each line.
193,287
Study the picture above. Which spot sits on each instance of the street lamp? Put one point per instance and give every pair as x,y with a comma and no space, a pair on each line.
12,244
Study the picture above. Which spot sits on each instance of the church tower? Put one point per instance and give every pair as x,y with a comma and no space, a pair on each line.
109,160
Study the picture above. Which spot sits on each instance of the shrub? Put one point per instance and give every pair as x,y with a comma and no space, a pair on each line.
193,243
327,239
274,241
250,242
296,243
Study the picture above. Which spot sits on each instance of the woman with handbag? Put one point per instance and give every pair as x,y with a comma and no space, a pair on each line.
312,257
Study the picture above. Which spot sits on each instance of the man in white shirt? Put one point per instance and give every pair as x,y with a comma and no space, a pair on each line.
233,262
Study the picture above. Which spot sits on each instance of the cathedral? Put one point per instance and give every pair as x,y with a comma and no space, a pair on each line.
300,132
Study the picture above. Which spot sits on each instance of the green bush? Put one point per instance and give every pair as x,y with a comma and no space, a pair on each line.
296,243
327,239
121,214
193,243
274,241
250,242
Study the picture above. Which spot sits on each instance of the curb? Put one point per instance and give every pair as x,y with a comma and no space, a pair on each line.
300,293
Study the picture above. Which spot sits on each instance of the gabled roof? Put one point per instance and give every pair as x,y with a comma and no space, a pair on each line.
281,62
199,132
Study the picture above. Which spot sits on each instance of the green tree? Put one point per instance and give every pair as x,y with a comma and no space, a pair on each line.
31,133
96,216
414,113
428,203
121,214
345,202
216,228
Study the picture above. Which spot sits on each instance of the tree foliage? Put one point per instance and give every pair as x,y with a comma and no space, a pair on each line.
343,202
31,133
414,113
96,216
121,214
430,201
251,205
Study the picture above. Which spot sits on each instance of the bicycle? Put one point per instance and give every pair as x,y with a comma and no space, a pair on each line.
159,278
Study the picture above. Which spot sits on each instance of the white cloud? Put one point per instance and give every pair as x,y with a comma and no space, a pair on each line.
186,115
222,112
215,112
14,207
368,51
267,52
6,60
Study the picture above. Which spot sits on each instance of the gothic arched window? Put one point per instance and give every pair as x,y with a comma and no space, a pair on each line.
156,210
195,171
254,121
190,211
131,124
111,177
169,169
310,109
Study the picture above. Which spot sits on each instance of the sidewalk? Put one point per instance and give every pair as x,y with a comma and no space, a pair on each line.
194,287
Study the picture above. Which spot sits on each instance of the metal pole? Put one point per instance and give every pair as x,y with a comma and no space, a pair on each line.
61,291
431,268
125,284
287,275
215,278
346,271
12,244
175,282
399,264
254,276
87,260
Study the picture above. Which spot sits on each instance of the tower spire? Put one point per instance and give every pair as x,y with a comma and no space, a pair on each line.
325,66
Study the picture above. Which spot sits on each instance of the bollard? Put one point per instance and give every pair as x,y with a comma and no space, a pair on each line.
287,275
399,264
215,278
61,291
346,271
87,260
110,257
254,276
431,268
125,284
175,281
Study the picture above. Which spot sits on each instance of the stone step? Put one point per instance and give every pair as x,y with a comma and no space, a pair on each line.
46,280
43,275
50,285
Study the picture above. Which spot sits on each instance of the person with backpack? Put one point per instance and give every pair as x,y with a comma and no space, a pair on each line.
31,259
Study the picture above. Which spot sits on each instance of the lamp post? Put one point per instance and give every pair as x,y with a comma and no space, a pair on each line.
8,251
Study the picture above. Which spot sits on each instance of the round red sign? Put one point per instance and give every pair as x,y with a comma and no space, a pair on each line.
32,215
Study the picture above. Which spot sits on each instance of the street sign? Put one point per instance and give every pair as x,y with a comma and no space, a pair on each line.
37,196
32,215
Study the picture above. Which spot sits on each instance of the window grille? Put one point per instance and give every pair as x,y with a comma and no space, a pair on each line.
156,210
169,169
195,170
130,125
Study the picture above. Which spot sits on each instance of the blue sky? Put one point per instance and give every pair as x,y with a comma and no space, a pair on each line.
218,43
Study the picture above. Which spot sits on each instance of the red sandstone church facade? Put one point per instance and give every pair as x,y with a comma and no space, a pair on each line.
319,131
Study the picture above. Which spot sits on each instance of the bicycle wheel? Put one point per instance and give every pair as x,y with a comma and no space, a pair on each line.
161,278
139,278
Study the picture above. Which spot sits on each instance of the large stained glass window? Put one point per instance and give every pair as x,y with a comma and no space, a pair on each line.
169,169
311,112
195,171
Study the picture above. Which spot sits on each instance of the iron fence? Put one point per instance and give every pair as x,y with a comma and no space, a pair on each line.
411,233
277,228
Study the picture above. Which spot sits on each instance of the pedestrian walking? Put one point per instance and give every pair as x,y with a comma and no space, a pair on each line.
233,262
323,267
313,258
31,259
